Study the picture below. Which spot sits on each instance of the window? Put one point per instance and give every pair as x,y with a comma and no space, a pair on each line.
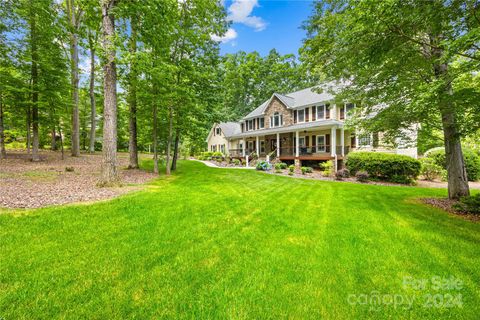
321,112
222,148
262,146
250,146
301,115
262,123
321,143
347,110
301,141
218,131
240,146
276,120
364,140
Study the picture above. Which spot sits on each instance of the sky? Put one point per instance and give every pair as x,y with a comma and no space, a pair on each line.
261,25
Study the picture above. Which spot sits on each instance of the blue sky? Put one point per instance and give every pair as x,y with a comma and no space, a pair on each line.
260,25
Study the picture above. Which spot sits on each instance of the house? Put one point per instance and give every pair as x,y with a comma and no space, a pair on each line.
300,127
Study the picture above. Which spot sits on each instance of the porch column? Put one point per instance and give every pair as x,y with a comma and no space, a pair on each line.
243,147
297,152
278,145
333,143
342,141
258,146
333,112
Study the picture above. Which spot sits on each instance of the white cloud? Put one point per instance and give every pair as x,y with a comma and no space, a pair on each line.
240,12
228,36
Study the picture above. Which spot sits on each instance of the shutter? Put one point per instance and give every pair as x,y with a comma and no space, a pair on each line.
307,111
327,140
294,116
314,141
281,120
327,111
314,113
307,142
254,145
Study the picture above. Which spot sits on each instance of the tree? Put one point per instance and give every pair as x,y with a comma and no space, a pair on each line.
109,147
404,62
132,95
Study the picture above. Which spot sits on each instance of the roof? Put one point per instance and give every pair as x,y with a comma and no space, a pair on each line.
300,98
298,126
230,128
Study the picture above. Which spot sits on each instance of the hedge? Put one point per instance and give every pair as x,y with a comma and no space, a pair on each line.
384,166
472,161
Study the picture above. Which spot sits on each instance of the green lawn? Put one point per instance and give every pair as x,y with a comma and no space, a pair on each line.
216,243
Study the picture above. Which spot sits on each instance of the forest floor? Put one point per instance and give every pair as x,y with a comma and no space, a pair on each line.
26,184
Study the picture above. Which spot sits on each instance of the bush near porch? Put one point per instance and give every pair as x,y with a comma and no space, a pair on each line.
384,166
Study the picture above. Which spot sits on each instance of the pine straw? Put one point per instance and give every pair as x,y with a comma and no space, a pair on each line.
447,205
26,184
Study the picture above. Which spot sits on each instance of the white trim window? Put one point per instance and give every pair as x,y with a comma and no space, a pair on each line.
262,123
321,112
321,143
301,115
347,109
276,120
364,140
218,132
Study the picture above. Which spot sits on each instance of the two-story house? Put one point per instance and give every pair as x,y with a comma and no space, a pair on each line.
299,127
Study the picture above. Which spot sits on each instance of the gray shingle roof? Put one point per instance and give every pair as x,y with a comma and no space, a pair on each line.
230,128
300,98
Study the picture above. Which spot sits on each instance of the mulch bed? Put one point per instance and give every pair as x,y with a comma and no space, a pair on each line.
447,205
26,184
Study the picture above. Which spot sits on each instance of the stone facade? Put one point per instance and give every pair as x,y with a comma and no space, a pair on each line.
277,106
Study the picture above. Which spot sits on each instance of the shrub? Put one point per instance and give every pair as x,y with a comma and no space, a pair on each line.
244,162
470,204
291,168
207,154
217,154
384,166
278,166
327,168
430,170
290,173
263,166
283,165
236,162
306,170
342,173
362,176
472,161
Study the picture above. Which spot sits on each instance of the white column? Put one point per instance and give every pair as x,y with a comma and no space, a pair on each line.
333,112
333,143
297,149
243,147
258,146
342,141
278,145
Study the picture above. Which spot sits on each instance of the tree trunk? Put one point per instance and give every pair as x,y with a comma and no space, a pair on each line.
74,78
34,76
28,121
457,174
175,150
53,143
169,140
132,99
93,110
3,152
109,148
155,140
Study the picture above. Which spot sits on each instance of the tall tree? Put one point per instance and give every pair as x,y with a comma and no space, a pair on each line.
74,13
34,79
109,147
404,62
132,94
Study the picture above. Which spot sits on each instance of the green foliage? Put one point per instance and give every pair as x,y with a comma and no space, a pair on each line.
236,162
263,166
384,166
291,168
362,176
430,170
327,168
280,166
471,158
306,170
470,204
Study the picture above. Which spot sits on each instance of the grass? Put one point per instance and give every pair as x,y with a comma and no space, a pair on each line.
218,243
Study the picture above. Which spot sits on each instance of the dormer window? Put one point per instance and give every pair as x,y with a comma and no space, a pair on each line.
321,112
301,115
276,120
250,125
262,123
218,131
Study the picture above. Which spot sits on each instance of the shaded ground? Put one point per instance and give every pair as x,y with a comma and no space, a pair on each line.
25,184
